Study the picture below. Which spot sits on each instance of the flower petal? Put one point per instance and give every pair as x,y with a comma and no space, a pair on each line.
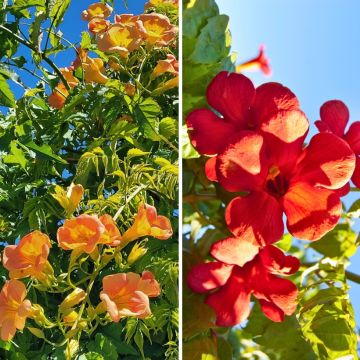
353,137
272,311
208,276
336,115
232,302
210,169
234,251
327,161
356,176
276,262
208,133
257,218
232,95
242,165
311,212
271,98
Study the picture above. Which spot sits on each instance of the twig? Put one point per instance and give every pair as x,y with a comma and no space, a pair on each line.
43,56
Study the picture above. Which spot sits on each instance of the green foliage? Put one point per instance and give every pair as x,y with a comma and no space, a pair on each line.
123,149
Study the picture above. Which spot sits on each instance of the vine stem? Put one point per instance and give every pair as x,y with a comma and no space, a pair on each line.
121,208
44,57
354,189
349,275
194,198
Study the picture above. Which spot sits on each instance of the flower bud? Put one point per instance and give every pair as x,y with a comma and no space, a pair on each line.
137,252
72,299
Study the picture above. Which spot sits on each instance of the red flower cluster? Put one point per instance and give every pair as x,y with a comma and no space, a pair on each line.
256,143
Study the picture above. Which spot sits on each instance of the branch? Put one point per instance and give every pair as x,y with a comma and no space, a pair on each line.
348,274
354,189
43,56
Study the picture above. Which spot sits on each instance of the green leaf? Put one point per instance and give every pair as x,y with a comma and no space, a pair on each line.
85,40
103,346
338,243
139,341
6,96
135,153
16,155
214,41
168,127
200,349
58,10
146,114
45,152
91,356
188,151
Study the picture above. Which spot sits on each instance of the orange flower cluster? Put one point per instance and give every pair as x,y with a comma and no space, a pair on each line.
127,34
123,295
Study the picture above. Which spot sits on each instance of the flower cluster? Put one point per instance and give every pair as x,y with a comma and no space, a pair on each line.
118,40
255,141
123,295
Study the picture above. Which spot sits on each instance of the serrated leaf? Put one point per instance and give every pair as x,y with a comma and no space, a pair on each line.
135,153
85,40
16,155
139,341
58,10
103,346
146,114
45,151
7,97
168,127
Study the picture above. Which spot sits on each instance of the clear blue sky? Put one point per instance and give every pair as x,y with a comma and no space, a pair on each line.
314,50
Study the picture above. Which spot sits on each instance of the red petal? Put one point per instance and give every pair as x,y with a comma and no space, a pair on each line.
275,261
210,169
241,165
283,293
234,251
208,276
257,218
356,176
232,95
286,125
272,97
311,212
327,161
322,126
231,303
343,190
208,133
271,311
336,115
353,137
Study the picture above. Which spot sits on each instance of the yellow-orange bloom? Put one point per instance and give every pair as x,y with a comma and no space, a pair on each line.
97,10
160,32
14,309
170,65
58,97
94,71
170,84
148,223
112,231
122,39
261,61
98,25
83,233
126,19
70,199
128,294
29,257
73,299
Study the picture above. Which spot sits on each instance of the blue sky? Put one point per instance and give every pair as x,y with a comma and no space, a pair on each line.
313,49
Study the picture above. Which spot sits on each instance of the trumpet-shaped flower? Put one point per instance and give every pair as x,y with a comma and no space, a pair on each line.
14,309
271,109
98,25
58,97
259,62
94,71
29,257
160,32
127,294
282,177
148,223
335,116
83,233
98,10
231,286
169,65
122,39
112,231
70,199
